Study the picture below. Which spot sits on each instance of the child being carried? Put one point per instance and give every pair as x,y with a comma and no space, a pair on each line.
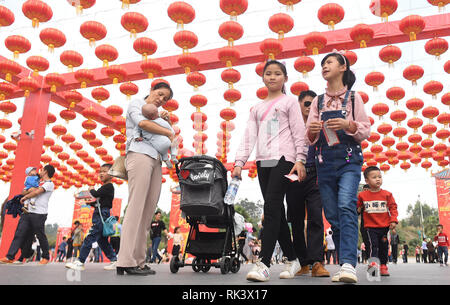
31,184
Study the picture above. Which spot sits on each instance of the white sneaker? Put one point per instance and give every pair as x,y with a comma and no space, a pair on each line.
111,266
76,265
347,274
259,273
336,277
291,268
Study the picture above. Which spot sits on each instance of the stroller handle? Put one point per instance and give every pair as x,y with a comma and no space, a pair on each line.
198,158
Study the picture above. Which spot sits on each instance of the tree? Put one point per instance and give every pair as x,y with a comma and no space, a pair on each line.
413,218
253,209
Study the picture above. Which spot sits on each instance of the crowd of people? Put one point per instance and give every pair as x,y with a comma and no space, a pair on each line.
308,150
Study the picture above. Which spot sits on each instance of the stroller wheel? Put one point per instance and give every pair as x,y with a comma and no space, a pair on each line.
195,265
205,268
235,265
225,265
174,266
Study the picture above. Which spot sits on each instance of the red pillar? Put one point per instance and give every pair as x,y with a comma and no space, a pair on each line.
28,153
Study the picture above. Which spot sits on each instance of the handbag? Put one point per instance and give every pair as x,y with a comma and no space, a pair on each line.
108,224
118,169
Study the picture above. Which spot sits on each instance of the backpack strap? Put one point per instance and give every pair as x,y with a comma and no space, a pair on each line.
352,98
320,103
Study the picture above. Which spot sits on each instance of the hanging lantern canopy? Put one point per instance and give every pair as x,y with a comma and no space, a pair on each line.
331,14
129,89
415,123
230,76
134,23
433,88
390,54
189,62
436,47
198,101
232,96
181,12
233,8
289,3
383,8
185,40
395,94
52,38
151,67
281,24
37,11
9,68
362,34
315,42
413,73
116,73
231,31
271,48
430,113
106,53
196,79
374,79
84,76
398,116
145,46
72,98
17,44
126,3
114,111
71,59
298,87
100,94
93,31
80,5
68,115
304,65
28,85
412,25
54,80
414,104
6,89
37,64
6,16
351,56
229,56
263,92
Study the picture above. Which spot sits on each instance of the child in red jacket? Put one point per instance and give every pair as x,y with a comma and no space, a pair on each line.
380,215
442,240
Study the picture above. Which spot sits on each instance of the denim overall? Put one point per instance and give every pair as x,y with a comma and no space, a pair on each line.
339,175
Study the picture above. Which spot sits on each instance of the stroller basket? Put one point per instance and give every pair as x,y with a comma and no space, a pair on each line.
208,244
203,183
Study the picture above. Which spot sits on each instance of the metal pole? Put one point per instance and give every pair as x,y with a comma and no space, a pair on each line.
421,216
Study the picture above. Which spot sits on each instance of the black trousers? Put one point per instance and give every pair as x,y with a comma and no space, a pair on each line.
378,244
115,243
300,195
274,186
28,226
394,252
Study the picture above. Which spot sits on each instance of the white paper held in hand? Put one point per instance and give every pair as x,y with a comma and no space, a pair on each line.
292,177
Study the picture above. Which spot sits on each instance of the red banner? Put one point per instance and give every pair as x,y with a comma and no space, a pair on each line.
62,232
177,221
443,198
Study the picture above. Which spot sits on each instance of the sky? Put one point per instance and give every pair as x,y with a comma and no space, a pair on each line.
406,186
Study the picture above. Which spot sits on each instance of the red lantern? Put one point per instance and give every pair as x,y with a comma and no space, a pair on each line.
233,8
7,108
6,16
126,3
28,85
444,118
229,56
107,132
100,94
388,141
384,129
412,25
383,8
152,67
427,143
71,59
331,14
304,65
281,24
433,88
362,34
196,79
88,136
189,62
93,31
227,114
298,87
145,46
129,89
59,130
84,76
415,138
170,105
400,132
134,23
398,116
289,3
181,12
390,54
6,89
52,38
232,96
415,123
443,134
198,101
185,40
54,80
445,99
81,4
73,98
231,31
263,92
315,42
413,73
9,68
395,94
37,64
429,130
114,111
68,115
414,104
17,44
436,47
116,73
374,79
351,56
373,138
447,66
106,53
439,3
230,76
89,125
51,118
68,138
37,11
271,48
430,113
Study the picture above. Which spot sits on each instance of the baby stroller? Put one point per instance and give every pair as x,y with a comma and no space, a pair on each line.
203,182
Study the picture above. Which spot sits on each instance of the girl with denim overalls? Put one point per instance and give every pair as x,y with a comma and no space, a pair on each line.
336,126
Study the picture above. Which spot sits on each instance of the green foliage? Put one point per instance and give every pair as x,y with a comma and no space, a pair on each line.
51,230
250,210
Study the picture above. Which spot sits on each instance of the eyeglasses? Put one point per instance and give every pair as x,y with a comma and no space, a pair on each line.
307,104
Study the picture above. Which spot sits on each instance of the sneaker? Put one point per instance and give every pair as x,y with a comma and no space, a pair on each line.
18,263
43,261
291,268
336,277
111,266
347,274
303,271
76,265
259,273
5,260
318,270
384,270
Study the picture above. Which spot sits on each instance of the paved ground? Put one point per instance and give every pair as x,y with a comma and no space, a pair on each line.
55,273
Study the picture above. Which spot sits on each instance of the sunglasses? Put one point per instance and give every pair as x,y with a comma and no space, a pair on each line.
307,104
